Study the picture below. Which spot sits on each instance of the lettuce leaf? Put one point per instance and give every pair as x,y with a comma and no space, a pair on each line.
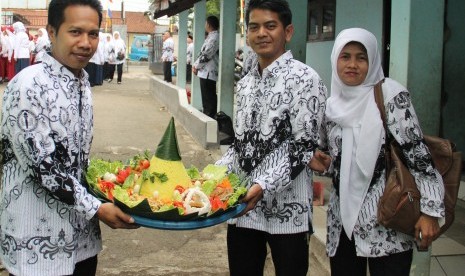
193,172
98,167
214,172
122,195
208,186
238,192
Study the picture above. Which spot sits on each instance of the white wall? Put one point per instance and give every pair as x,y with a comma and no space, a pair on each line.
25,4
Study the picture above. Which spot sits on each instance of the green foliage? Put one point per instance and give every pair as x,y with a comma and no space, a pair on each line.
213,8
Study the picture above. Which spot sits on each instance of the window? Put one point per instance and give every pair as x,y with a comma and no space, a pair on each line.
321,20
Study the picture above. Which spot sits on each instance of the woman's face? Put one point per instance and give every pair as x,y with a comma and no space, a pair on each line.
352,64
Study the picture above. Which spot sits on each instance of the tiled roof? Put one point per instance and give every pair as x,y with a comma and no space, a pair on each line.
137,22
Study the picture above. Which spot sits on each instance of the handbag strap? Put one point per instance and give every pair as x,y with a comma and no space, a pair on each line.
379,99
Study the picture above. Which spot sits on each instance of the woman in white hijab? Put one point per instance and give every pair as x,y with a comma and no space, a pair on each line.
355,139
109,56
120,52
21,47
42,45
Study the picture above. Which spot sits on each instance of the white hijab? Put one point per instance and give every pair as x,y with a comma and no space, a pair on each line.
355,110
44,35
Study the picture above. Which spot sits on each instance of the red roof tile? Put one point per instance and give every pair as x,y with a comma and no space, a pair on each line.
137,22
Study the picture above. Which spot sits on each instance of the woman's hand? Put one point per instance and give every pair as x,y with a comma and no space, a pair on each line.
320,162
426,230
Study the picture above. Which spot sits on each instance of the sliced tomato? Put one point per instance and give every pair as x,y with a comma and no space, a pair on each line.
217,203
180,189
144,164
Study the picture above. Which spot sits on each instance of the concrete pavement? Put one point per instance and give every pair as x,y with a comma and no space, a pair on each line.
129,120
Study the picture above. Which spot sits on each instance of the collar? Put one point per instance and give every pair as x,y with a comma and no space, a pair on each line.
63,74
276,67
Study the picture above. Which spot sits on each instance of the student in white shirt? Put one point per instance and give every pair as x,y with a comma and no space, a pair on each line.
22,52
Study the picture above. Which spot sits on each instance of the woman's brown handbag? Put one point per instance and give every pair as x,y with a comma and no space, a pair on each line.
399,206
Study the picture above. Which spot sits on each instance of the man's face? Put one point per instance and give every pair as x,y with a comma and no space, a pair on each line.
266,34
77,38
165,36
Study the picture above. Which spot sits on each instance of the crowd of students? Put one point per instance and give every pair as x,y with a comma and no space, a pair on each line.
109,57
19,49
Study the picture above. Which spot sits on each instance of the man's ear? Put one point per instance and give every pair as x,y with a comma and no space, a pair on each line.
289,31
51,33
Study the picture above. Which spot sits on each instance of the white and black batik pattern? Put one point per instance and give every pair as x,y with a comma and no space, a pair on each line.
207,61
277,121
371,238
47,216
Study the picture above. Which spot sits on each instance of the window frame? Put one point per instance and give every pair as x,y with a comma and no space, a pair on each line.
318,8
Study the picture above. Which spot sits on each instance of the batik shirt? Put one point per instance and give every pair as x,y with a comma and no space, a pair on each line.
168,50
371,238
47,217
277,121
207,61
189,53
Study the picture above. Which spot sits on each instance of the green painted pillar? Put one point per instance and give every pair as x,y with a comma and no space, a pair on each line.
200,14
182,49
298,44
416,56
227,48
416,62
454,75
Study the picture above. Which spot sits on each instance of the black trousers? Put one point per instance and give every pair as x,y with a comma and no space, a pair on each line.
209,97
247,252
91,69
119,69
167,71
87,267
346,260
106,70
188,72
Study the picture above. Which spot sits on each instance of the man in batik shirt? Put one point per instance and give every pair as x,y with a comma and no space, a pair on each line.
279,109
167,56
48,220
206,66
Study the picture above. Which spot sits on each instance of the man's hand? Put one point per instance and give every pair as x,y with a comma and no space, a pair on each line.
194,70
254,194
112,216
320,161
428,228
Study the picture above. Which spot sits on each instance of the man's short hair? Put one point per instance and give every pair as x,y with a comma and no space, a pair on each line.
213,22
281,7
56,10
190,36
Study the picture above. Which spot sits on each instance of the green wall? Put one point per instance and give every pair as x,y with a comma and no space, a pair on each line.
454,74
366,14
416,56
